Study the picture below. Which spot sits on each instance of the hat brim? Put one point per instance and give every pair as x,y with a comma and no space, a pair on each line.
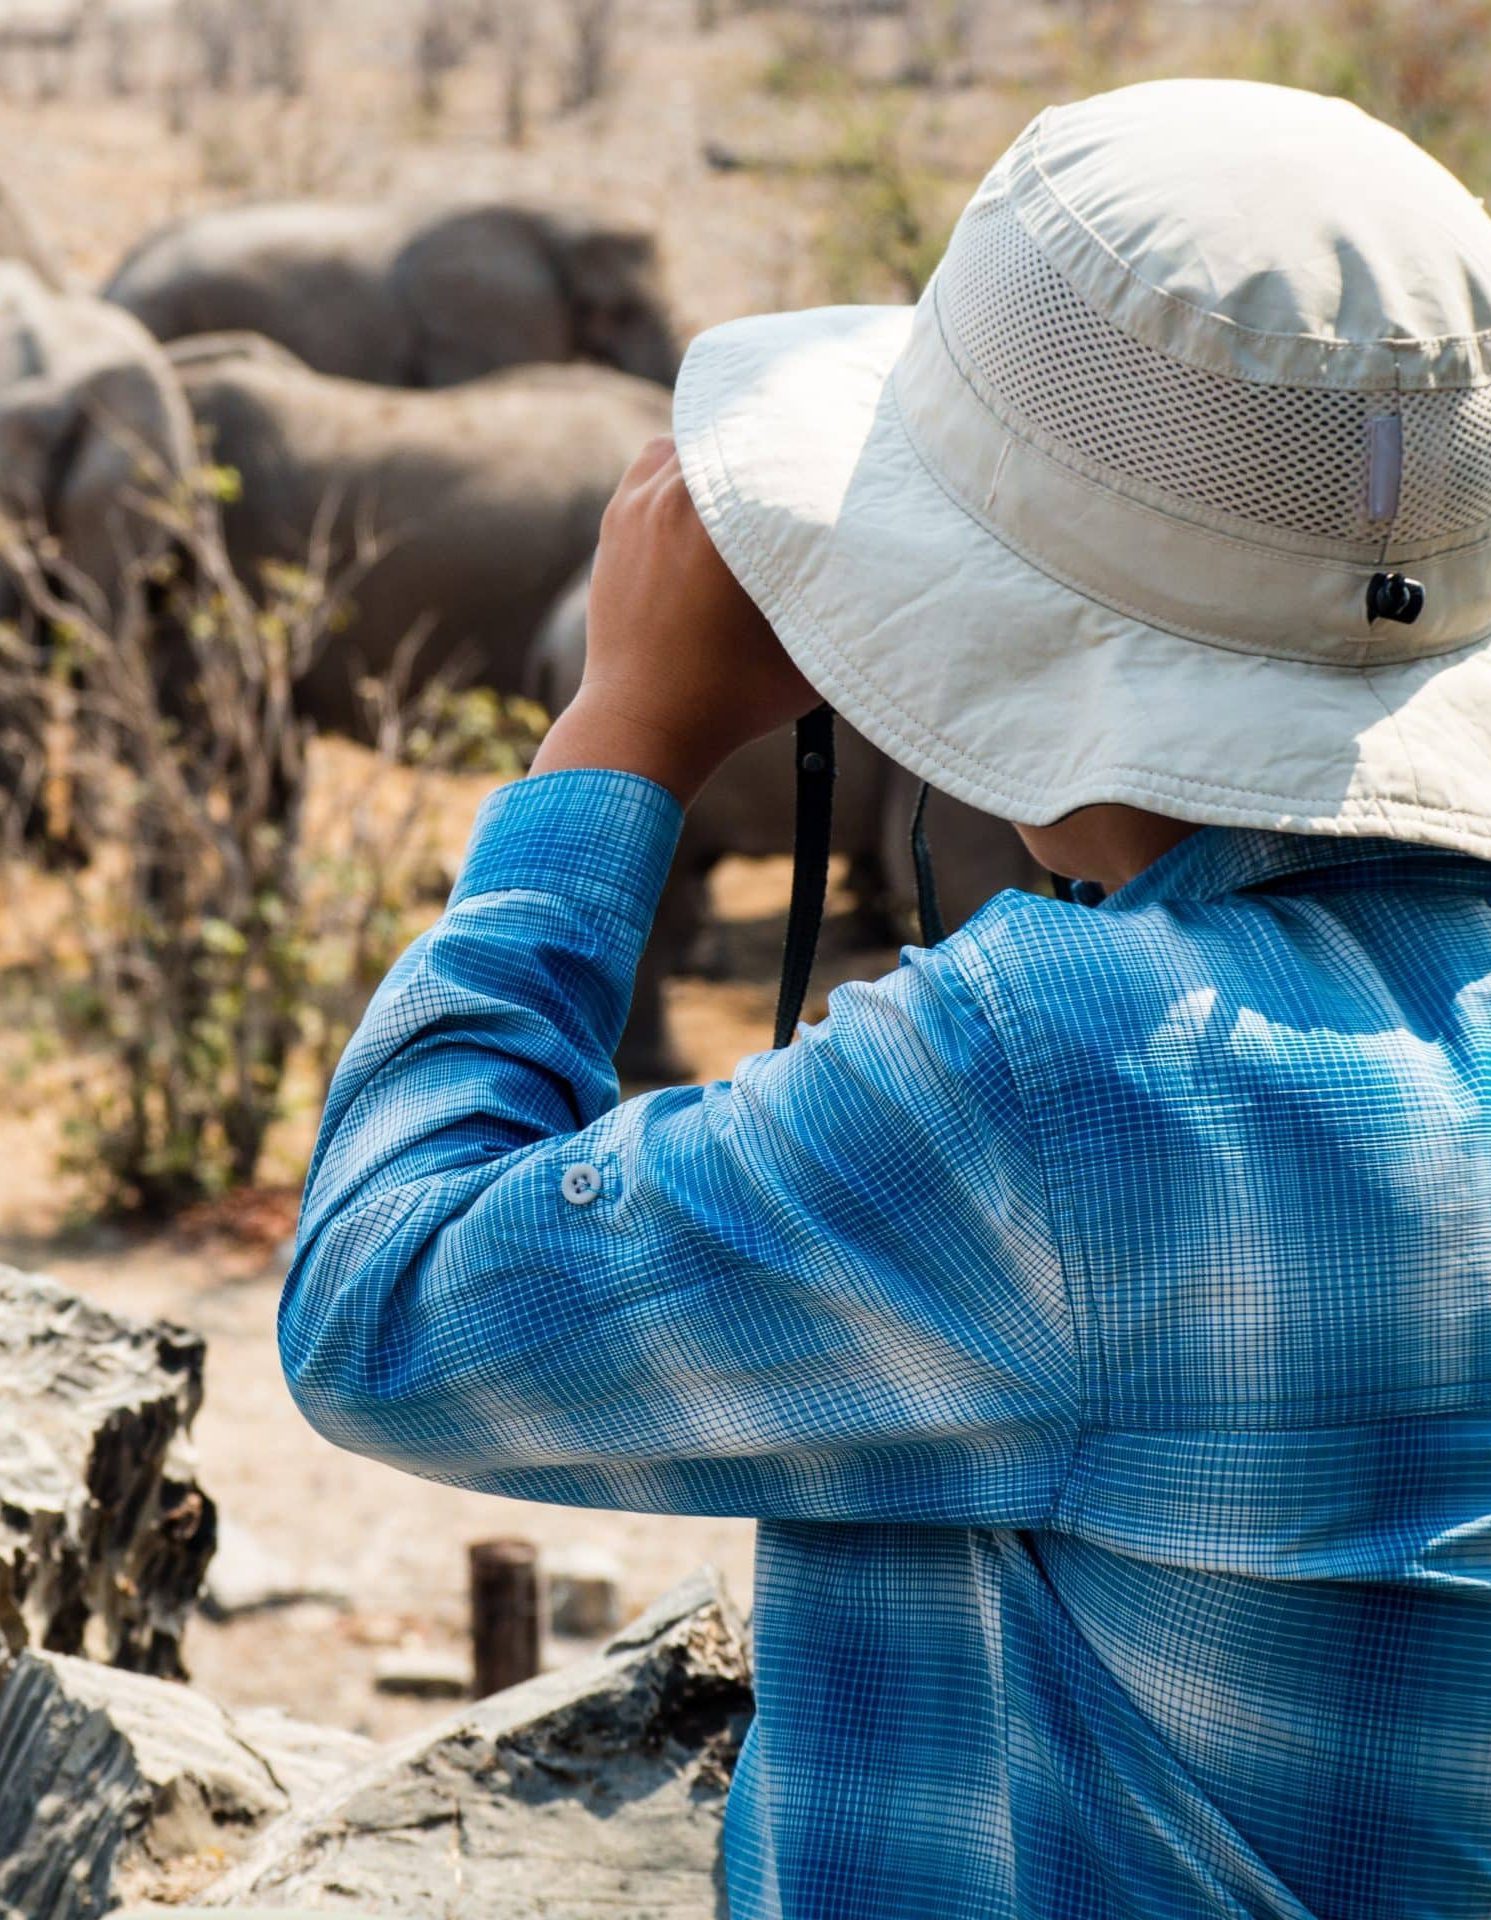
1008,689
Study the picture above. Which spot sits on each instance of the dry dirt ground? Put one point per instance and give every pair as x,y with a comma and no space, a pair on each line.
97,173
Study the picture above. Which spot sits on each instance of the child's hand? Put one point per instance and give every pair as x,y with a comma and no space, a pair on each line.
681,669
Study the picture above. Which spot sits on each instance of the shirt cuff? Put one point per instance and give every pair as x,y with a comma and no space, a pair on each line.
603,839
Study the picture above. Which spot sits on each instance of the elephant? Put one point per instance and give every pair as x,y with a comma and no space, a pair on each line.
93,424
422,295
92,421
749,809
483,500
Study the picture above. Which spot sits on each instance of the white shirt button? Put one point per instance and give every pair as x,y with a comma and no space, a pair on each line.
581,1185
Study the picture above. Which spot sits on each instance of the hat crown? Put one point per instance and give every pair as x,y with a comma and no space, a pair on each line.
1244,308
1296,221
1174,490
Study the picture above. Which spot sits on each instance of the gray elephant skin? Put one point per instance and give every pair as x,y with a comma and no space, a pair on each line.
92,422
483,499
749,810
92,426
426,295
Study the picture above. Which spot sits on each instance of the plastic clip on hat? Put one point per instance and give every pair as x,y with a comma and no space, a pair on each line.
1174,489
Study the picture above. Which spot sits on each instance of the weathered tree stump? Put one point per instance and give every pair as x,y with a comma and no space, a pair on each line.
105,1534
504,1614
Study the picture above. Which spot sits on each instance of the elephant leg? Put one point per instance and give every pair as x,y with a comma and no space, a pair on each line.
875,922
647,1050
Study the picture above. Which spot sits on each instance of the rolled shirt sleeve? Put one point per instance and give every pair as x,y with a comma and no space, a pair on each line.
827,1289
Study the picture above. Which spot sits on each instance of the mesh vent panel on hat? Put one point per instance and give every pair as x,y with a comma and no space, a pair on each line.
1446,463
1293,458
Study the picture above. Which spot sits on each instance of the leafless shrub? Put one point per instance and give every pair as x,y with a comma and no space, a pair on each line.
162,739
439,49
45,42
277,43
1100,43
842,25
121,56
207,43
513,27
224,44
938,39
592,26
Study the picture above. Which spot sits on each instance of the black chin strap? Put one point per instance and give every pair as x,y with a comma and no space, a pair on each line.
811,846
928,907
814,837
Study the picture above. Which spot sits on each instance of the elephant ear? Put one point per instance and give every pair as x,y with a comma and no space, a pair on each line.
132,444
614,281
480,290
78,457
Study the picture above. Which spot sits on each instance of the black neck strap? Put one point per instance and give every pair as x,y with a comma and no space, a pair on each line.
811,846
928,906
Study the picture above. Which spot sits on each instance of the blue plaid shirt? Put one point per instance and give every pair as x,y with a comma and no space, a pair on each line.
1096,1314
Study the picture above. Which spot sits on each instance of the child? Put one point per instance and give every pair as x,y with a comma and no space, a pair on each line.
1096,1314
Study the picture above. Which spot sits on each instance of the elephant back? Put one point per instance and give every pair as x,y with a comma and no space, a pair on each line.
479,292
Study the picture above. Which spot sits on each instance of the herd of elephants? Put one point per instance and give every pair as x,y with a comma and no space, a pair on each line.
466,382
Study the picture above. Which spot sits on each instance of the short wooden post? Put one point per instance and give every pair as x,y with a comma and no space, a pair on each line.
504,1614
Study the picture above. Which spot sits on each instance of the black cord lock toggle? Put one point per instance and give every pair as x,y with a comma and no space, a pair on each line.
1393,596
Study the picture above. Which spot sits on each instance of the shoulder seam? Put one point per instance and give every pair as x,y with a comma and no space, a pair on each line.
993,1017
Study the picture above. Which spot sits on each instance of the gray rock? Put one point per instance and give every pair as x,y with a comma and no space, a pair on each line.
584,1586
104,1531
117,1786
589,1793
423,1673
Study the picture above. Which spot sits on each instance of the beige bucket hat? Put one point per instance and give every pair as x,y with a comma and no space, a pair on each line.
1174,489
